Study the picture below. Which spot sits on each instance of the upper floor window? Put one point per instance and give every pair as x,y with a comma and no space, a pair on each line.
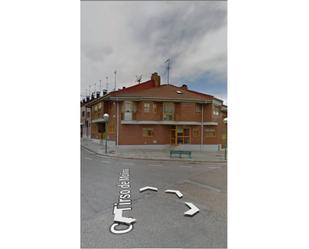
215,111
100,106
168,111
83,114
198,107
127,106
146,107
154,107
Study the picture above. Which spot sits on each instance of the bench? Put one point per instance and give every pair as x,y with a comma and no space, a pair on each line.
180,153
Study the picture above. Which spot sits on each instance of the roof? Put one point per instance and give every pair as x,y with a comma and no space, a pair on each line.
165,92
147,90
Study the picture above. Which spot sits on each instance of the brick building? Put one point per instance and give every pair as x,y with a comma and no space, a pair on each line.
159,115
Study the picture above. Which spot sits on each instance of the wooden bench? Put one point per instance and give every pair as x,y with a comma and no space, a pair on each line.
180,153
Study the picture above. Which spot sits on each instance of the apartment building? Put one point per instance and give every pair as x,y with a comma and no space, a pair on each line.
159,115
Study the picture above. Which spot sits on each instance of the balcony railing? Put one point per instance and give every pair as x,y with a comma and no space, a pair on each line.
128,116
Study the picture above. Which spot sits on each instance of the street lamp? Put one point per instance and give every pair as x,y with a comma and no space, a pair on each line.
106,118
225,122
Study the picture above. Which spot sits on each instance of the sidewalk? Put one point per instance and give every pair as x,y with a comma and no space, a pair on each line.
150,154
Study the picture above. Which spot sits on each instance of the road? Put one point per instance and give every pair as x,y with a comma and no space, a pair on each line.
160,220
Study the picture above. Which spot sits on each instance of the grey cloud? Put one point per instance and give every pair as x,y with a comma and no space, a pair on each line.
137,37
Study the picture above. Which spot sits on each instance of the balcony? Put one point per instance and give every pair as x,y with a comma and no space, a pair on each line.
128,116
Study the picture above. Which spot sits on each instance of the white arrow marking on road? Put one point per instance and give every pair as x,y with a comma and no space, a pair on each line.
148,188
177,192
193,209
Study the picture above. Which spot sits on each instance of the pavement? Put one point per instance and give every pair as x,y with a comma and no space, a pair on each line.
160,219
150,154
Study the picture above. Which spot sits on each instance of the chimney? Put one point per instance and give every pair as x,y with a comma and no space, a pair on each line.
184,86
88,98
156,78
104,92
98,94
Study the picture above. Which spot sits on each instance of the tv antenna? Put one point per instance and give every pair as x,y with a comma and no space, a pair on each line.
106,83
139,78
115,72
168,70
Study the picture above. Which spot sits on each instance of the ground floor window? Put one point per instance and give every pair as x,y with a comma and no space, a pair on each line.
196,132
210,132
148,132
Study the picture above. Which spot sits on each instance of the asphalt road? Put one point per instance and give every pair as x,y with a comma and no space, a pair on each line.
160,216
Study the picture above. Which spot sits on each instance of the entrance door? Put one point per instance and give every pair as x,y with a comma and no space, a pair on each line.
180,135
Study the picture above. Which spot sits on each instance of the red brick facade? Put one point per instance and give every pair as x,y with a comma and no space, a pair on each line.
150,113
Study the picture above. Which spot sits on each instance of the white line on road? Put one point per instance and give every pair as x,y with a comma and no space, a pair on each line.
203,185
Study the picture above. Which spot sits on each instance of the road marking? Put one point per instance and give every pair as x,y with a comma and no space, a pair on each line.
177,192
148,188
193,209
203,185
88,158
119,218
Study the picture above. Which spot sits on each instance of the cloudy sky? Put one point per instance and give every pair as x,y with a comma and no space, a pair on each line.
136,38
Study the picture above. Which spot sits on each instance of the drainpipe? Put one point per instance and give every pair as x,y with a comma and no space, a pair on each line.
202,127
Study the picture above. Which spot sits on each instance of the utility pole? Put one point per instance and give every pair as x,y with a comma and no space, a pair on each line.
168,70
115,72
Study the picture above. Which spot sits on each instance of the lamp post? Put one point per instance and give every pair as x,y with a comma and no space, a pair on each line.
225,122
106,118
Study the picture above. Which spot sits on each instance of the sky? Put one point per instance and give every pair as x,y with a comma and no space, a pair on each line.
136,38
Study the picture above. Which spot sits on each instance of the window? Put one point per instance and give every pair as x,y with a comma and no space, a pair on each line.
146,107
95,108
215,111
154,107
183,135
100,106
168,111
198,108
148,132
210,132
196,132
83,114
127,106
88,114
